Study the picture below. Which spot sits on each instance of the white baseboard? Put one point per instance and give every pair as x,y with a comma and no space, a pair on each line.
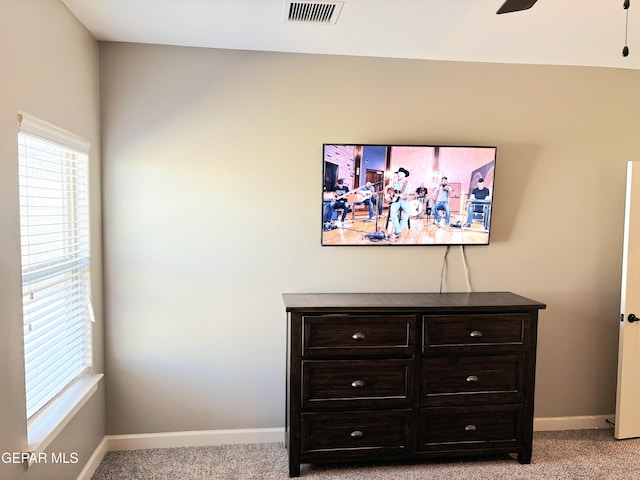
194,439
93,462
572,423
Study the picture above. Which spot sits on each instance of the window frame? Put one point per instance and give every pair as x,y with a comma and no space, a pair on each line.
46,418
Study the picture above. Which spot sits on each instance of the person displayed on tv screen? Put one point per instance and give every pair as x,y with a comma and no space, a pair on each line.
421,194
339,202
441,196
481,194
368,194
398,193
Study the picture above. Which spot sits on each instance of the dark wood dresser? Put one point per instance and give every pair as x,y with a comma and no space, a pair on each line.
381,376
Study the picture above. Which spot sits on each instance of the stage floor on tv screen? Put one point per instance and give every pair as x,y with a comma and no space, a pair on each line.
423,231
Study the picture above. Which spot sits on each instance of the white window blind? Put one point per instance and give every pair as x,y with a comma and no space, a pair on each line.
54,227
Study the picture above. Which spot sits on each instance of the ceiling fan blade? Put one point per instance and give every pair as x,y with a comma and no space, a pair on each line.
515,6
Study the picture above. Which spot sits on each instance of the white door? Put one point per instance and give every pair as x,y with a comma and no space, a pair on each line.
628,394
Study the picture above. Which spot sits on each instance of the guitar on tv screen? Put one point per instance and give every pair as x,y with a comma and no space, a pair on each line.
407,194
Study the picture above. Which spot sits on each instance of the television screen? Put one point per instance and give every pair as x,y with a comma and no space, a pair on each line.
407,194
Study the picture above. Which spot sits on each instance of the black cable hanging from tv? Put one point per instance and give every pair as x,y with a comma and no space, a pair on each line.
625,49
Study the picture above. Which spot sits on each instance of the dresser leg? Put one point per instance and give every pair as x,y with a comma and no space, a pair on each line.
294,460
524,457
294,470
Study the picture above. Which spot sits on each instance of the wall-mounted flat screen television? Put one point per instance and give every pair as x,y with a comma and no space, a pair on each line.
407,194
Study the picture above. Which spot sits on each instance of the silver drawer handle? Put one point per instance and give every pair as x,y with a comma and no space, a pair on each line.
476,334
358,336
357,434
472,378
357,384
470,428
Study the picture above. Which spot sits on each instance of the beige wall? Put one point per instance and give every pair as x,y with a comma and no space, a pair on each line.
212,180
49,66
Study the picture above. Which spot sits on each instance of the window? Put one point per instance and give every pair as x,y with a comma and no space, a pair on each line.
54,228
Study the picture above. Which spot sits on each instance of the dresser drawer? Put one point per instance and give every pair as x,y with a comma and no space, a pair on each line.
472,379
474,330
460,429
358,335
357,383
356,431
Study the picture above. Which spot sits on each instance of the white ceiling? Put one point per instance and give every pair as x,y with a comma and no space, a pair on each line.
553,32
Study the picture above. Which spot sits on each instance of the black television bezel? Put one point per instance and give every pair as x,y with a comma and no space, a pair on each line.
388,169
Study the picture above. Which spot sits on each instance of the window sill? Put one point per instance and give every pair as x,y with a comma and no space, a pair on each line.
47,424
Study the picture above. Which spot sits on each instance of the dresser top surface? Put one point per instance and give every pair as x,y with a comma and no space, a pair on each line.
297,302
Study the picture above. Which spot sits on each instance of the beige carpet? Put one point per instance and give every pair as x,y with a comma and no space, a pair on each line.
566,455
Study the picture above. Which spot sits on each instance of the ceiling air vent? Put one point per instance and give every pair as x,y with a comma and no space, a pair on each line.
312,12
